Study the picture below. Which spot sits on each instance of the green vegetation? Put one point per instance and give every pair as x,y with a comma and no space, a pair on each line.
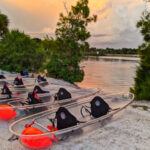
60,56
141,106
70,44
3,24
111,51
49,44
142,81
18,51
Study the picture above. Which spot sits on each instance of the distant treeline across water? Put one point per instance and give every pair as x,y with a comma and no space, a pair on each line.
111,51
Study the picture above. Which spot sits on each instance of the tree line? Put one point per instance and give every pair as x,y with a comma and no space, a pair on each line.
60,56
111,51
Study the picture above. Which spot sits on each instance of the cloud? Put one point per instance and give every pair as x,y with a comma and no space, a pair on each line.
100,35
120,23
116,25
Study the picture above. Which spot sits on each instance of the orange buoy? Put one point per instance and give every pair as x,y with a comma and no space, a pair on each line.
36,142
6,112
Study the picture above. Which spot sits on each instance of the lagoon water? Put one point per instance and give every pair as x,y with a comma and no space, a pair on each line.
111,74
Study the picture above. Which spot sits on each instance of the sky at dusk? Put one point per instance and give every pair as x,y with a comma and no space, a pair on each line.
115,27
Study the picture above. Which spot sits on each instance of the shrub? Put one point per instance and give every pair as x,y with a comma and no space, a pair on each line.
18,51
71,36
142,81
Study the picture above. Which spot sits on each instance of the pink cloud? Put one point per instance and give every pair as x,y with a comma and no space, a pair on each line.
115,17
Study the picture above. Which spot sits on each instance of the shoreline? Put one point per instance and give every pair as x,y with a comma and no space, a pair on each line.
116,55
122,55
130,131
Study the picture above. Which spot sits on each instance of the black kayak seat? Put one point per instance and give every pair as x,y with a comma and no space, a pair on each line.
41,79
39,90
24,73
6,90
62,94
33,98
65,119
18,81
99,107
2,76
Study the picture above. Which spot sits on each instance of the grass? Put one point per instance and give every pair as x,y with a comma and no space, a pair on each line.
121,54
141,106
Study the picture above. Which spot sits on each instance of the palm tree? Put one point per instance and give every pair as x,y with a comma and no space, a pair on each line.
3,24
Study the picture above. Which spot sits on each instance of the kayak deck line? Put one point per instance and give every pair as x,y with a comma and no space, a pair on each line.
52,102
18,108
74,128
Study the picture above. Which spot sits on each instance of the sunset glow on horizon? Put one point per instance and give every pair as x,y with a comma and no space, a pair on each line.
116,25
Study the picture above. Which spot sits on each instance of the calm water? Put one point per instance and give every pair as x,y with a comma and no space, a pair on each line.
111,74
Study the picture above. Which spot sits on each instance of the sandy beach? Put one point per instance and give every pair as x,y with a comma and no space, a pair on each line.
130,131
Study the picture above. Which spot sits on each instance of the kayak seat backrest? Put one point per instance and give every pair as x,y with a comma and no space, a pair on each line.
39,90
99,107
2,77
62,94
5,90
23,73
32,99
65,119
18,81
41,79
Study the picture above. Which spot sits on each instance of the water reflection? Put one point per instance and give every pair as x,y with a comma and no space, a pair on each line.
111,74
111,58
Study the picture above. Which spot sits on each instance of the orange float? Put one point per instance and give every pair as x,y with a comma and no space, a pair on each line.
7,112
36,142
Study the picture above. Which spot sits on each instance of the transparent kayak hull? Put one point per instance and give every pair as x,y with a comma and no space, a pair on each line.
22,93
37,127
15,109
19,95
27,83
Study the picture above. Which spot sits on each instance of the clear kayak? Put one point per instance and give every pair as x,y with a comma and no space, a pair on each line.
8,94
45,128
17,108
6,99
23,83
